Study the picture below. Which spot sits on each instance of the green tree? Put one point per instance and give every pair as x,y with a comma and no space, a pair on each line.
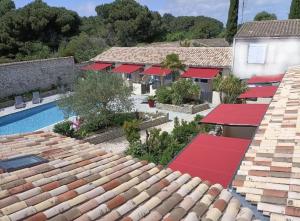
98,97
173,62
83,47
230,88
129,23
6,6
36,22
295,10
232,22
264,16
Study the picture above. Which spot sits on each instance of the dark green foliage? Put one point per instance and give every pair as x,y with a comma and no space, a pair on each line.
64,128
6,6
181,92
131,129
190,27
37,25
128,22
232,22
264,16
230,87
295,10
162,147
98,97
83,47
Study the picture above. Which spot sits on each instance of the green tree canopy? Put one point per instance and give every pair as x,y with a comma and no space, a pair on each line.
6,6
128,22
295,10
230,88
232,22
83,47
173,62
98,96
36,22
263,16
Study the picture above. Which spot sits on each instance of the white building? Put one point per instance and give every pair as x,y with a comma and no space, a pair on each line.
266,48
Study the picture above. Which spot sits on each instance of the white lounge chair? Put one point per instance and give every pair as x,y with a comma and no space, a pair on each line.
19,102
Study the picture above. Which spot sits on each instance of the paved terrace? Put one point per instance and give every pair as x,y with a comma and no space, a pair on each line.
83,182
269,175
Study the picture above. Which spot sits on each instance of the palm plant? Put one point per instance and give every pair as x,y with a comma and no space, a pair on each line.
230,87
173,62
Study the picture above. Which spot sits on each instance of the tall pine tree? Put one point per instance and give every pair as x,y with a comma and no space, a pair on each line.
295,10
232,22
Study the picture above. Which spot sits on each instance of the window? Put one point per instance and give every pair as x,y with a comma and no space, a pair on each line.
257,53
21,163
204,81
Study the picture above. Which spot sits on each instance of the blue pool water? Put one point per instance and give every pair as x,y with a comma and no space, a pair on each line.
31,120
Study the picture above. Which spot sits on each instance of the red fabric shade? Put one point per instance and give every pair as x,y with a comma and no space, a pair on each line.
127,68
96,67
212,158
158,71
237,114
256,92
265,79
201,73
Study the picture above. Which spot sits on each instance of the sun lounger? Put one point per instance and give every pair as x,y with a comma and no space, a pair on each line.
36,98
19,102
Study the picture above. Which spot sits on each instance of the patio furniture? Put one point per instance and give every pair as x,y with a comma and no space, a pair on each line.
19,102
36,98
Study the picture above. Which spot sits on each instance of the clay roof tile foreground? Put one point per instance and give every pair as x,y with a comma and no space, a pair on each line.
83,182
269,175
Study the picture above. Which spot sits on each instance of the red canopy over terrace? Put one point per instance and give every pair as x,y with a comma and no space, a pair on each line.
96,66
127,68
237,114
259,92
157,71
265,79
212,158
201,73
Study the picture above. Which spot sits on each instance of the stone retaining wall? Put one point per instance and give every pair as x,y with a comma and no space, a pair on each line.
119,132
187,109
21,77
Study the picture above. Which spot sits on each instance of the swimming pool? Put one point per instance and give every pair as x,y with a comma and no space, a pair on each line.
31,120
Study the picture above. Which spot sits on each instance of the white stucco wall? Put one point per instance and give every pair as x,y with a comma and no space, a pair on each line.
280,54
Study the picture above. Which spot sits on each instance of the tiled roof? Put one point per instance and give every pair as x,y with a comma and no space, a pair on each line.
192,56
82,182
209,42
269,175
276,28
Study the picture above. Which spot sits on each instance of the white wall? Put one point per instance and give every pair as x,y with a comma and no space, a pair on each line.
281,53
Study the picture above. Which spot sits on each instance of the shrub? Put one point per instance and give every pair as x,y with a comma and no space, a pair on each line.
120,118
164,95
131,129
180,92
64,128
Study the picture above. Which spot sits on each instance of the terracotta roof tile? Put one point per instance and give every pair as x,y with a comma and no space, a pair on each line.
269,174
82,182
220,57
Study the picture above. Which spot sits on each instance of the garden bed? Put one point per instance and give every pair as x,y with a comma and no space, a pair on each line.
186,108
152,120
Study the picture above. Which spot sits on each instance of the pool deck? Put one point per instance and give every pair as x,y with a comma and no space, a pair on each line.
29,104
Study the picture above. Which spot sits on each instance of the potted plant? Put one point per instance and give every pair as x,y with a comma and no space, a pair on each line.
151,101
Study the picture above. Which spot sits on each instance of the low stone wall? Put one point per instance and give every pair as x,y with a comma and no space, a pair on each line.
187,109
21,77
119,132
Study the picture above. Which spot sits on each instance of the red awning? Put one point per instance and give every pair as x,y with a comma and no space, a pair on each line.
201,73
265,79
127,68
96,67
256,92
158,71
212,158
237,114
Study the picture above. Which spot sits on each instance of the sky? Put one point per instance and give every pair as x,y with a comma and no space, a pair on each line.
213,8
